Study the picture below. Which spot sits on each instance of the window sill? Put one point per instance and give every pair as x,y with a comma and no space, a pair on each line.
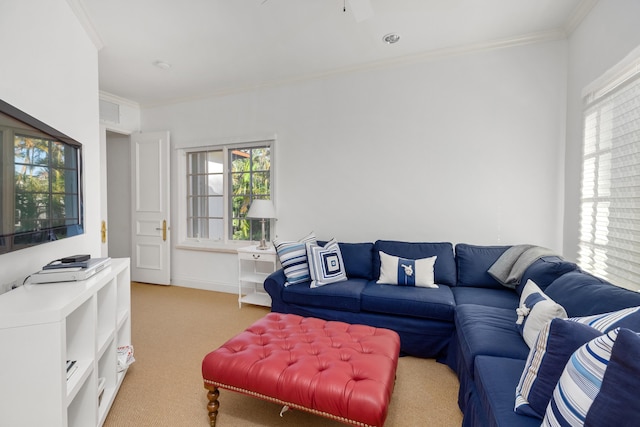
206,246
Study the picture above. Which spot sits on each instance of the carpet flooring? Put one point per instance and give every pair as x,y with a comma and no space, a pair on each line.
173,328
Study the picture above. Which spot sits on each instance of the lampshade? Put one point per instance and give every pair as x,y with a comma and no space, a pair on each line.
261,209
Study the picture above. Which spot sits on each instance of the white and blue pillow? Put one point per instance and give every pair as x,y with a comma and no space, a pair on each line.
555,344
293,258
626,318
581,383
535,311
325,263
407,272
617,402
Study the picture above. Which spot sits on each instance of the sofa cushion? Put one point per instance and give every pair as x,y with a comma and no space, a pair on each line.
325,264
445,266
358,259
496,378
479,328
544,271
501,298
430,303
582,294
555,344
406,272
344,296
535,311
473,262
581,381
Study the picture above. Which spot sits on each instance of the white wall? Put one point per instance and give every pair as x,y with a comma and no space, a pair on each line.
463,149
603,39
50,71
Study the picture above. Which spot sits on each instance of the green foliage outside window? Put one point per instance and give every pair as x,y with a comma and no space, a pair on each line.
250,179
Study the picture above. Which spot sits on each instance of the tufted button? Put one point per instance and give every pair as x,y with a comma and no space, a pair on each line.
237,348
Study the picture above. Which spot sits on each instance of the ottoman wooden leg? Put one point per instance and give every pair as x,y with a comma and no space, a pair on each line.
213,405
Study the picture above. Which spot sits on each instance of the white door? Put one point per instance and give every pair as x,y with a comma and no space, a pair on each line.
151,243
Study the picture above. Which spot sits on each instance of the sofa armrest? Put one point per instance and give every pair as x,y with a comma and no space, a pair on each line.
274,284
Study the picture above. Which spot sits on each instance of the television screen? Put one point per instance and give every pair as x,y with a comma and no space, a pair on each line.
40,182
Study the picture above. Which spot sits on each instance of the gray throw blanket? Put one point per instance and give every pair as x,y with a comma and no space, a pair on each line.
509,268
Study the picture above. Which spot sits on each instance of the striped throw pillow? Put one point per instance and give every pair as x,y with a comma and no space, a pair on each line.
580,382
617,402
626,318
557,341
293,258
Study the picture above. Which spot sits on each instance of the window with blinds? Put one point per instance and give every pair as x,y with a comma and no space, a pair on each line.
609,244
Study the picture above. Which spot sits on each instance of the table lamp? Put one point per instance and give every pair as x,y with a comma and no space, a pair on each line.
262,210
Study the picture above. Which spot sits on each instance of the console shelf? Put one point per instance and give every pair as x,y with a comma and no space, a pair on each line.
43,326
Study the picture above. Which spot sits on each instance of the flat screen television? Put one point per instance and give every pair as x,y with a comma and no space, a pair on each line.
40,182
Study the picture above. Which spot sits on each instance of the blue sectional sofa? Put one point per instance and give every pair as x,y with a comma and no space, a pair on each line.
468,322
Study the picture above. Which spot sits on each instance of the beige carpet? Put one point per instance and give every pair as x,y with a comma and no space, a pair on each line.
173,328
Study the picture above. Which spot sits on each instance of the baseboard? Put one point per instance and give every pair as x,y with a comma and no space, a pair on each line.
228,288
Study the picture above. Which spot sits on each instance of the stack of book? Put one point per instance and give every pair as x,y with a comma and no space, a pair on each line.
72,366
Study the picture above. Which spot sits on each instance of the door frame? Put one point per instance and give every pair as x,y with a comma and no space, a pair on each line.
104,184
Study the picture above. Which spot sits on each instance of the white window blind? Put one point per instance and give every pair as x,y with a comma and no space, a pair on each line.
609,244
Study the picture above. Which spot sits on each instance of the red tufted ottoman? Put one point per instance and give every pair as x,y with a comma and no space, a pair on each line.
334,369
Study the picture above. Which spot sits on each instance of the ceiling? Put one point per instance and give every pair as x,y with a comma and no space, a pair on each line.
218,47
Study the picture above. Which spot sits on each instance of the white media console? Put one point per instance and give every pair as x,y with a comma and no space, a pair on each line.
42,327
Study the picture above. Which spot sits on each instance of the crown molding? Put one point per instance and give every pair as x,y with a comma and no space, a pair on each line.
540,37
106,96
578,14
77,6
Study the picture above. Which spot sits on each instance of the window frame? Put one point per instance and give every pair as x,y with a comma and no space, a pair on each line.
226,244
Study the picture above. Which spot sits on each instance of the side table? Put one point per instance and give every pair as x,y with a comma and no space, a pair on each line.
254,265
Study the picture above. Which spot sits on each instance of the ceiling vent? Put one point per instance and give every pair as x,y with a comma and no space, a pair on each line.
109,111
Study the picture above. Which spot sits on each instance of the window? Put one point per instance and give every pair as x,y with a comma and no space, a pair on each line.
609,242
205,201
221,182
